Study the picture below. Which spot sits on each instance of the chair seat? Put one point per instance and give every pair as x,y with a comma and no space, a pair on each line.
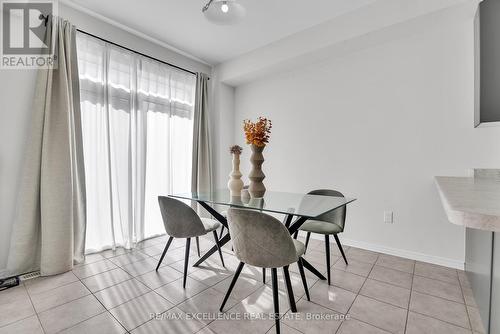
210,224
299,247
320,227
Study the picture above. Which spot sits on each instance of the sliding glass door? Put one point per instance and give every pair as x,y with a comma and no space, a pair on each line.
137,120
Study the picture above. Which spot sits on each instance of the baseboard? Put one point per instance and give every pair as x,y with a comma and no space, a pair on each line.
456,264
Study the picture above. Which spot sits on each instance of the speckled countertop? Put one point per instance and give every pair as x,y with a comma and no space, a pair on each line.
471,202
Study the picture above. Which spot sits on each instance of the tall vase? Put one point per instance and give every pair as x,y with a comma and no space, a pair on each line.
235,184
257,188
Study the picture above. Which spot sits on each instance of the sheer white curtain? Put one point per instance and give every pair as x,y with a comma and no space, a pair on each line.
137,120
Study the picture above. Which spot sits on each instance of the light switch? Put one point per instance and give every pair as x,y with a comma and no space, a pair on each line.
388,217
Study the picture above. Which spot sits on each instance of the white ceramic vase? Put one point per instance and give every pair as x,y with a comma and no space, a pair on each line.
235,184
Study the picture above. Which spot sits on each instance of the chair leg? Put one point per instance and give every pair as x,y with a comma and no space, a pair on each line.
198,246
221,232
296,234
264,275
307,240
289,289
218,247
327,251
303,276
186,261
274,275
231,286
164,252
340,247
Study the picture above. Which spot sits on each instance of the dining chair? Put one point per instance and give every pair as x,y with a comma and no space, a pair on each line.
181,221
262,241
330,223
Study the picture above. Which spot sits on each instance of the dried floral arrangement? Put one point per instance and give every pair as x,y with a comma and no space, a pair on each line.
257,133
236,149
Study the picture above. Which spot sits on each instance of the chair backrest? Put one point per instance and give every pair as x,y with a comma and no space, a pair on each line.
260,240
336,216
180,220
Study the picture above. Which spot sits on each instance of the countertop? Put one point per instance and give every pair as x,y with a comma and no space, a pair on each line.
471,202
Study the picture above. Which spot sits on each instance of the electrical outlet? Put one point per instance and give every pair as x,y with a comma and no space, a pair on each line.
388,217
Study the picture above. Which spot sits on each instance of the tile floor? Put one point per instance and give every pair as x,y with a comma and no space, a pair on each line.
119,292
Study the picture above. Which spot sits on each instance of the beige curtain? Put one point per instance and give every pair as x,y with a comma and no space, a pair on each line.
49,231
201,180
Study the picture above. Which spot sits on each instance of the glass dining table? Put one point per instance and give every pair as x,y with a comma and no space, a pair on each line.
296,208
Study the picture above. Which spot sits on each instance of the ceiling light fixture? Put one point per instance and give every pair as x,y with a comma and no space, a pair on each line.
224,12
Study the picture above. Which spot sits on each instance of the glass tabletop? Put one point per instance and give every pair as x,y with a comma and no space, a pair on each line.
304,205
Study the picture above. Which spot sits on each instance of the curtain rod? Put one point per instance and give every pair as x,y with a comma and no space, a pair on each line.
139,53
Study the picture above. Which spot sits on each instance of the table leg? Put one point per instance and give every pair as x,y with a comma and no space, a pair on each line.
214,213
315,271
222,241
288,220
297,224
213,250
293,229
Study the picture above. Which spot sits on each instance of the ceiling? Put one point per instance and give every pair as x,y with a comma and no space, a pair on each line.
181,24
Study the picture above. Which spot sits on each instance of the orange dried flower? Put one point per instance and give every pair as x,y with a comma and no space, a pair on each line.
257,133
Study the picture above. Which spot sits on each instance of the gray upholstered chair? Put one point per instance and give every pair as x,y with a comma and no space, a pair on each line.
263,241
330,223
181,221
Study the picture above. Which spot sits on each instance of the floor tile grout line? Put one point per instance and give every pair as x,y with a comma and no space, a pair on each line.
151,290
441,320
466,307
409,299
379,280
372,325
106,311
51,289
365,279
80,278
183,301
364,282
382,301
417,311
402,271
34,309
112,285
67,302
18,320
90,292
174,306
53,307
187,299
437,279
215,283
141,294
429,294
429,316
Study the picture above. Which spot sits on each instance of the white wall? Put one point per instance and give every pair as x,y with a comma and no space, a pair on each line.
16,94
223,132
379,124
